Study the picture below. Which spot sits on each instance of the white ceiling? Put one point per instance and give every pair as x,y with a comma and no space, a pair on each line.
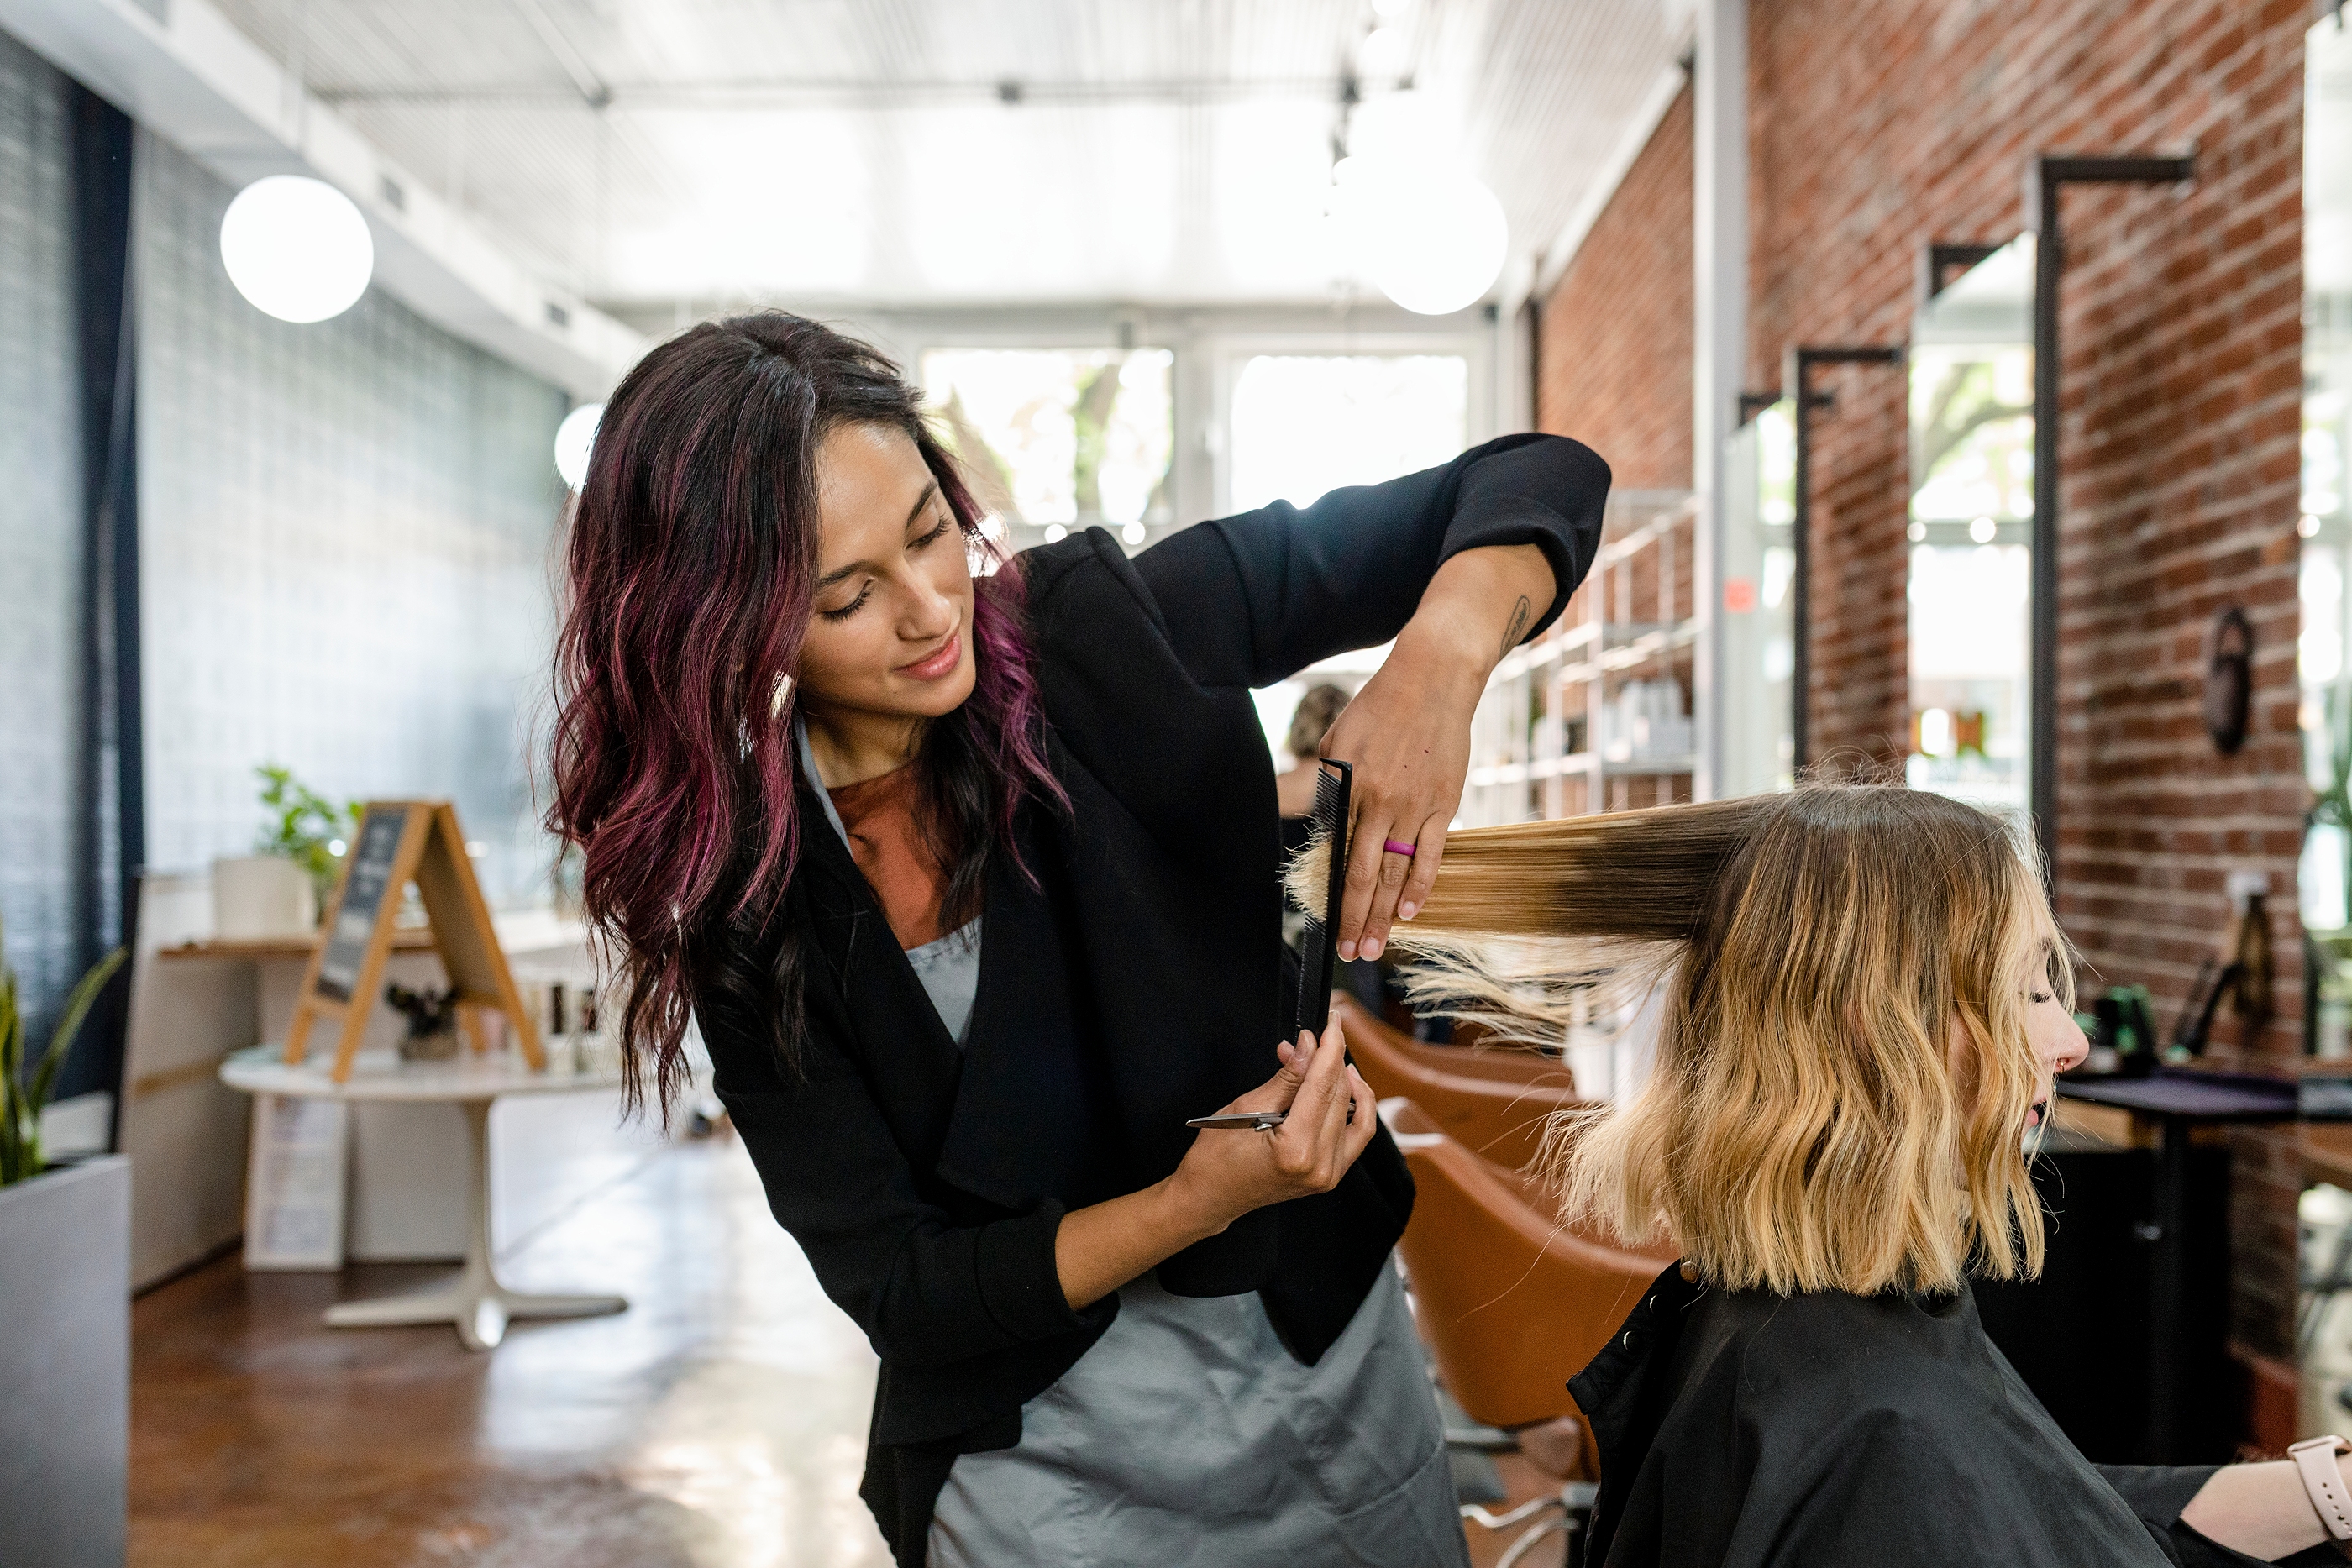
659,152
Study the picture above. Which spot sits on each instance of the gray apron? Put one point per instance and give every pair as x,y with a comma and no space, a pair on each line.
1187,1437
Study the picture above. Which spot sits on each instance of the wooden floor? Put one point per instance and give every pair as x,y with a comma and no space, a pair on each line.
718,1422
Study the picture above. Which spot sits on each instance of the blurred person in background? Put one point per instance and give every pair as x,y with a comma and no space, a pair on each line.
1294,787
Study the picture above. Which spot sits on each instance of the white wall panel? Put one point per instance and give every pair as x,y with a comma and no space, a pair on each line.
345,550
40,537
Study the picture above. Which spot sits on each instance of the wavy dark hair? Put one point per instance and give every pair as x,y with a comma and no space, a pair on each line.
690,574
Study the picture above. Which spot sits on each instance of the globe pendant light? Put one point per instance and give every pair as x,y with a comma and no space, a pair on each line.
1411,220
1445,243
1431,239
297,249
575,438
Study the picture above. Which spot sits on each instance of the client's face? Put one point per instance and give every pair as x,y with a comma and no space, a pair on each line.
2057,1040
890,631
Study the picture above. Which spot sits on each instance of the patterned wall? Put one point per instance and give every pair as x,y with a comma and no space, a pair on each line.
40,537
345,535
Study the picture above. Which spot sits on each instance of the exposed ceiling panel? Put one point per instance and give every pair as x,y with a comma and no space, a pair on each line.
930,151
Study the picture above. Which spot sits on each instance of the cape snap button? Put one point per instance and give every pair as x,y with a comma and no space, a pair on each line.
1629,1339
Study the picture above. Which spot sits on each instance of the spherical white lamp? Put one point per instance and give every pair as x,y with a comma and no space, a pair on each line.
1432,241
297,249
574,439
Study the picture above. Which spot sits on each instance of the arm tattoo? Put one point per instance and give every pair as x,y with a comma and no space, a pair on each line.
1518,624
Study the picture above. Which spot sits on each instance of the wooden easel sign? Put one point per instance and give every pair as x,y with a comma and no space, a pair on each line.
398,843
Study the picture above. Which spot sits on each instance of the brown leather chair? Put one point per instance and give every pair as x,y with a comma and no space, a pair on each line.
1510,1302
1495,1101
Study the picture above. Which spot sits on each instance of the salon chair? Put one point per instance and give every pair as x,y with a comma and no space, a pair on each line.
1495,1101
1510,1302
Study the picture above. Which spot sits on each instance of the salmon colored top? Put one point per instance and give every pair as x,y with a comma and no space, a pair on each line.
887,843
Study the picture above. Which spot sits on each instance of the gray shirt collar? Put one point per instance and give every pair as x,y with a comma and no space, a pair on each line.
808,771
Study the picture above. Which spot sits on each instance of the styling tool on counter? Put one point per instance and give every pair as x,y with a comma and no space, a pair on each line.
2122,1032
2215,981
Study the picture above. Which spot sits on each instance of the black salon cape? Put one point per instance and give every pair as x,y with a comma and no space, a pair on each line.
1740,1429
1140,983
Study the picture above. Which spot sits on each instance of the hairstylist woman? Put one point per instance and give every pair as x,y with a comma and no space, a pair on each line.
970,883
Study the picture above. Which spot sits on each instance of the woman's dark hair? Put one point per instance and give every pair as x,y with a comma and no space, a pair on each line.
690,569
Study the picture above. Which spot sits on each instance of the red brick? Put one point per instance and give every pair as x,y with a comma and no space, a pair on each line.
1876,125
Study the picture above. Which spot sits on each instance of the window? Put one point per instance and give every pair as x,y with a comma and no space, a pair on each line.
1305,424
1301,424
1054,439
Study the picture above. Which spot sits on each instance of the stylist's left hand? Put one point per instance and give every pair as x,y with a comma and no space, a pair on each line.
1407,733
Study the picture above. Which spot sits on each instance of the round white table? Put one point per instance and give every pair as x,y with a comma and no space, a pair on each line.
475,1301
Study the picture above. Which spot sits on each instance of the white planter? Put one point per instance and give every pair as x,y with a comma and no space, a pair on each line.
262,895
65,1366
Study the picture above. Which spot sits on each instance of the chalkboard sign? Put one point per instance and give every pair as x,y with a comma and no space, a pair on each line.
366,879
398,843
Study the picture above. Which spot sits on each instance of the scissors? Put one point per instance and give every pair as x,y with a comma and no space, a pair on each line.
1253,1121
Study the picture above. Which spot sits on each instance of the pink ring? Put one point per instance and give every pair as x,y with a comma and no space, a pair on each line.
1395,848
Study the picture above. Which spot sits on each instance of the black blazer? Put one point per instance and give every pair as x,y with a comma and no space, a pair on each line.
1139,983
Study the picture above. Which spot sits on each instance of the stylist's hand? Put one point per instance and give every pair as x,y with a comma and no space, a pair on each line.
1229,1172
1407,733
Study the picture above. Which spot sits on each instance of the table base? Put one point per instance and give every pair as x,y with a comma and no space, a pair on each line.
480,1310
475,1301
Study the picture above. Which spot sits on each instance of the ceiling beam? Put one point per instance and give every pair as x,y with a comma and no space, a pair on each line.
842,92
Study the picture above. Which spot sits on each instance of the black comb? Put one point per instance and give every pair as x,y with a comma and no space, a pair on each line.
1328,823
1318,956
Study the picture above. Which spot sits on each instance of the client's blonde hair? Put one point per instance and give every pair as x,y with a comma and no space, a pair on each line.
1805,1126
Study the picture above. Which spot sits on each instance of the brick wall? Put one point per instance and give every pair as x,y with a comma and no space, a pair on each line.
1615,354
1613,370
1880,125
2179,428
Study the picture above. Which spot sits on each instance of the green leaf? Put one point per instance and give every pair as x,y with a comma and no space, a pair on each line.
12,1110
77,1005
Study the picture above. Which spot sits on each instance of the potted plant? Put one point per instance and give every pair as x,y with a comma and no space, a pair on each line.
432,1022
65,1294
280,888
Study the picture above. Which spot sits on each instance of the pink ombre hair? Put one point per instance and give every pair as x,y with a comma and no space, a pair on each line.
691,560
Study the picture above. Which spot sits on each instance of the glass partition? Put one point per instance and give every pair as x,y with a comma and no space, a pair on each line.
2325,877
1758,573
1971,534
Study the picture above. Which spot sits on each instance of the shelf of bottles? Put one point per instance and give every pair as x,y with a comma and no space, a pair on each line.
1595,714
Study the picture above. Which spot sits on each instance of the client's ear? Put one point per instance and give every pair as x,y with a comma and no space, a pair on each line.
1961,1046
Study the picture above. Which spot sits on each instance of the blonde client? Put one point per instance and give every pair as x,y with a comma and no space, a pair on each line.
1864,999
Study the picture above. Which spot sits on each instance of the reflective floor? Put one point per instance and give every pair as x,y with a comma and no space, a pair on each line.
718,1422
